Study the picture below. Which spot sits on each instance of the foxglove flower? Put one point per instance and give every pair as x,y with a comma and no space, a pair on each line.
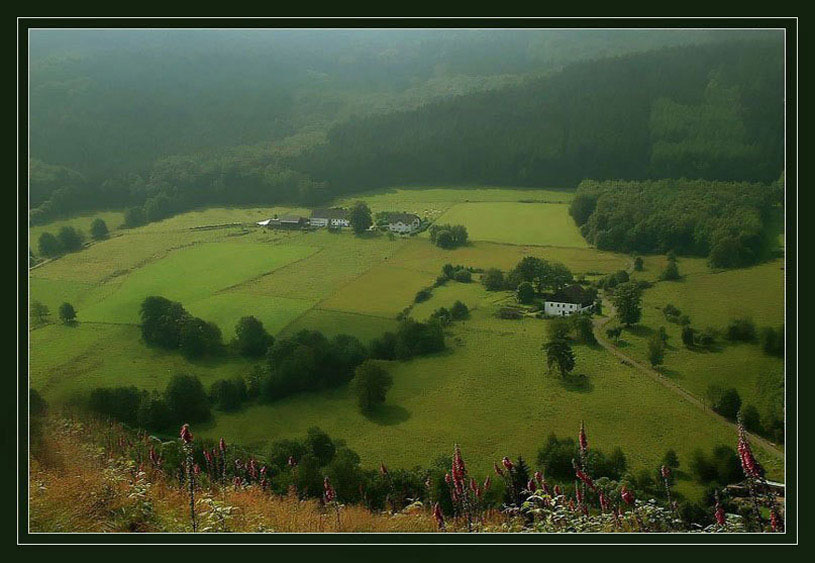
539,477
438,516
507,463
330,494
382,469
665,471
627,496
487,483
749,464
186,435
582,439
498,470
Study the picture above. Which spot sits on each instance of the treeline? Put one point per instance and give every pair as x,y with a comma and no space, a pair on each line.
726,221
713,112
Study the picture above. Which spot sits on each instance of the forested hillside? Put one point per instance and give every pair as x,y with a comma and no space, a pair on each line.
162,123
713,112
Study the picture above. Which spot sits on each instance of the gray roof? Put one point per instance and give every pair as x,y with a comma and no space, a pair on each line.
403,217
330,213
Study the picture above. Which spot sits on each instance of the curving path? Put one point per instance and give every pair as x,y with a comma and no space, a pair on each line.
599,323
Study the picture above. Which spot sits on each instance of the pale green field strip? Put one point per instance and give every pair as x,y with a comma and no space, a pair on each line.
418,254
540,224
190,275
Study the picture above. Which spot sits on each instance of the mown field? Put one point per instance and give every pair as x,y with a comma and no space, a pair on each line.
490,391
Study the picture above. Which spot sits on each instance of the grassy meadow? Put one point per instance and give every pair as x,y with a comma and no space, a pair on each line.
490,391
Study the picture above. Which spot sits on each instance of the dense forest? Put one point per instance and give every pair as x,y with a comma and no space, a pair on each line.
159,123
728,221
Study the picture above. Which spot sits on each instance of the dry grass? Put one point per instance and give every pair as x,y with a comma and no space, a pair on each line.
79,486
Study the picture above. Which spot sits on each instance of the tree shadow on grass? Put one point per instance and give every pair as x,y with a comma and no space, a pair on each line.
388,415
670,373
577,382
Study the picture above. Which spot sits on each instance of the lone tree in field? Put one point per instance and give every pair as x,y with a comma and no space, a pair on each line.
656,349
252,339
671,272
360,217
39,312
371,384
627,300
559,354
638,263
99,229
48,245
67,313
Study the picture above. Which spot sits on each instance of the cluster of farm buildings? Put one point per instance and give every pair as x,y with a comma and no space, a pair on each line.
339,218
571,299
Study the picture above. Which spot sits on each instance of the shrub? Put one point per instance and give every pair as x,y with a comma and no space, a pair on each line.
49,246
228,394
751,419
459,311
671,313
161,321
525,293
463,276
99,229
706,337
688,336
493,280
422,295
187,399
671,272
726,402
251,338
656,349
638,264
198,338
741,330
772,341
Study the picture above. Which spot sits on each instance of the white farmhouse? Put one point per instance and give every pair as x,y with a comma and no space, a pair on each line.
403,223
334,217
569,300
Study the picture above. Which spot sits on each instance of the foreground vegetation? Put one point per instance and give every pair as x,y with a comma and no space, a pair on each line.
93,476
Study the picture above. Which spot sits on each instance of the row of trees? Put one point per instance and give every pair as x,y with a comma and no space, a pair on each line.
69,239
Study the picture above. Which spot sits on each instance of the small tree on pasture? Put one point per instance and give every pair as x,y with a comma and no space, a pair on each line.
671,272
67,313
69,239
493,279
39,312
656,349
371,384
627,300
525,293
638,263
559,355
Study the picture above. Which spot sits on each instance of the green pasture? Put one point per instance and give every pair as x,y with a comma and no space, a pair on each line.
543,224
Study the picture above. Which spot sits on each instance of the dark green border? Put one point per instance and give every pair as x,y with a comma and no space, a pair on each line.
408,552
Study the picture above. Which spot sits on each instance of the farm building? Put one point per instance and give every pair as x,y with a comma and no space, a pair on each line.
569,300
285,222
403,222
334,217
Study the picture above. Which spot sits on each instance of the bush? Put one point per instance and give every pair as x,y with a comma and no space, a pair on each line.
448,236
251,338
422,295
463,276
707,337
134,216
656,349
751,419
49,246
198,338
671,272
99,229
161,321
741,330
228,394
187,399
726,402
459,311
525,293
638,263
772,341
493,280
671,313
688,337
